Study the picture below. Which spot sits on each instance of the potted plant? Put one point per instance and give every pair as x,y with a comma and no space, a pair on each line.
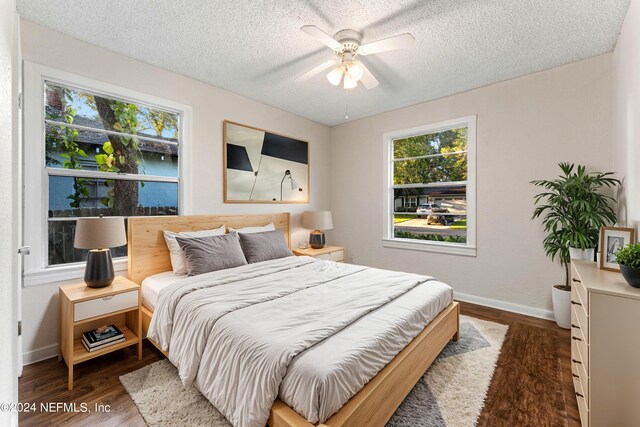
629,260
573,210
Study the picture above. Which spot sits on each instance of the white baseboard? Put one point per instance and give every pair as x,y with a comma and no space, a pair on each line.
33,356
504,305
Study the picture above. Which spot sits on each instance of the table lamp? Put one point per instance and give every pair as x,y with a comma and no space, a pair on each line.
98,234
317,221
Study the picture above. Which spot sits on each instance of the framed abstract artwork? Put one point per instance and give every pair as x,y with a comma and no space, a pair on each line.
264,167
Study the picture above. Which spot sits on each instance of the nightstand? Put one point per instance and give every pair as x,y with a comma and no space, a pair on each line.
331,253
83,309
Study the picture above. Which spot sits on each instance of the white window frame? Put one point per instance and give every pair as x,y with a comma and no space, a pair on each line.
388,239
36,185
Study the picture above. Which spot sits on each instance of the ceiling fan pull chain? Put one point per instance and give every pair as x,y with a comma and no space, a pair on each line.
346,104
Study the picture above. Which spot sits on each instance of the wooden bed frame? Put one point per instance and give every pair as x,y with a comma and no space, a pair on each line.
378,399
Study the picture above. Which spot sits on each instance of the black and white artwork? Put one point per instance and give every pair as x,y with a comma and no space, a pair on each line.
612,239
614,244
264,167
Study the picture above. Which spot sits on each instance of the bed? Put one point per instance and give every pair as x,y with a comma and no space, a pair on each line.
378,397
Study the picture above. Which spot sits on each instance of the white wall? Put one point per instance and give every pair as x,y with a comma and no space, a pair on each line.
525,127
8,245
626,110
210,106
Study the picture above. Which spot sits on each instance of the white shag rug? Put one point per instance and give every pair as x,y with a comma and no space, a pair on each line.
451,393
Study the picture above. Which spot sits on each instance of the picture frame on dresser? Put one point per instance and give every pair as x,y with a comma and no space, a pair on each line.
612,239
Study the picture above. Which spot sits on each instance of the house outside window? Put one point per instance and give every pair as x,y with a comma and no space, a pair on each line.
430,194
99,153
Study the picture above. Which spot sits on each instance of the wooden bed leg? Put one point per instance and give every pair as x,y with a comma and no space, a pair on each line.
456,336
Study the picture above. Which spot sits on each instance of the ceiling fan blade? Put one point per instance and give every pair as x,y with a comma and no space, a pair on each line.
367,78
316,70
322,37
402,41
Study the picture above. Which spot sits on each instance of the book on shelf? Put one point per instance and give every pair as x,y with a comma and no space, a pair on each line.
103,343
99,347
102,335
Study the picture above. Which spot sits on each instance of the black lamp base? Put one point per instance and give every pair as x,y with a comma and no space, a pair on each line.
316,239
99,272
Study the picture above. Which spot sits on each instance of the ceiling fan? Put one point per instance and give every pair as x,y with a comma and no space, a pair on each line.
346,44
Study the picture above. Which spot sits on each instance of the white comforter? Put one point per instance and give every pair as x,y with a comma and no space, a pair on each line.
238,330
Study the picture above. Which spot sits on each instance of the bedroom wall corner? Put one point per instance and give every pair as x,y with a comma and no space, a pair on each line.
626,114
525,126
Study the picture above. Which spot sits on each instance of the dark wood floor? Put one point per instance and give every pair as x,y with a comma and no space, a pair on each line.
531,386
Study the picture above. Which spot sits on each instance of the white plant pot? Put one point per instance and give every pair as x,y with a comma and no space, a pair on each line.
586,254
561,300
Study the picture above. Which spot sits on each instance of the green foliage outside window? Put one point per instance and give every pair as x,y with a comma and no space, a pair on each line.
442,167
117,154
431,236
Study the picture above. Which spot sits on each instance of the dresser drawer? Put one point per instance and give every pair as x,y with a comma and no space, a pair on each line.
578,291
580,385
580,381
579,321
100,306
583,348
337,256
584,410
579,355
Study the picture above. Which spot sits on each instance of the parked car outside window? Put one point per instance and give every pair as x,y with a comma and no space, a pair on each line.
426,209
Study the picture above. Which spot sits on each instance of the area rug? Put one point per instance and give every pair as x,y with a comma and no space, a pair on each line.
451,393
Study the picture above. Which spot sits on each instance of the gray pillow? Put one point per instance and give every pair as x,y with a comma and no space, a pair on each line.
211,253
264,246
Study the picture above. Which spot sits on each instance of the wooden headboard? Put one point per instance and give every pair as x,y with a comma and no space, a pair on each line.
148,253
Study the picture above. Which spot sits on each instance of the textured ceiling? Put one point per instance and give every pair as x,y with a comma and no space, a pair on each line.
256,48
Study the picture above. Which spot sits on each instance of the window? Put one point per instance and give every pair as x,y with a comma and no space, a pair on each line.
410,202
431,187
98,152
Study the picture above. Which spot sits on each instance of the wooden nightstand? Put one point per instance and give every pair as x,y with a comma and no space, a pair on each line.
331,253
83,309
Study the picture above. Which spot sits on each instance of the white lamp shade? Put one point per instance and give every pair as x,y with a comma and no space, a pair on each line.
349,83
317,220
355,71
294,184
335,76
100,233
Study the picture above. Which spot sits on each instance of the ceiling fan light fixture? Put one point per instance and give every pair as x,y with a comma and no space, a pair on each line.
355,71
349,83
346,45
335,75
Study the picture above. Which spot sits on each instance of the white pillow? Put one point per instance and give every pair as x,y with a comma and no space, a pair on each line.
178,260
250,230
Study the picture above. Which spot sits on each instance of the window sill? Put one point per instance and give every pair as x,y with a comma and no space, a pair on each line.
74,271
443,248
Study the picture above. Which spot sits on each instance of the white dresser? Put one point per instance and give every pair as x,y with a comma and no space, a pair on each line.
605,346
